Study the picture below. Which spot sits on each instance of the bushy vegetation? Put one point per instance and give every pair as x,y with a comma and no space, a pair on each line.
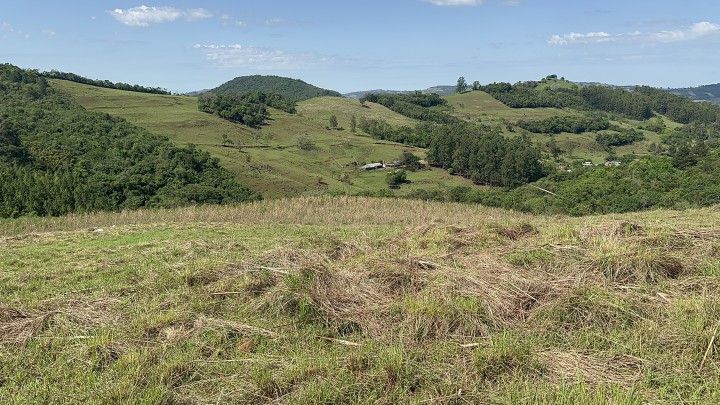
417,105
249,109
484,155
54,74
57,158
234,108
655,182
410,161
396,178
573,124
290,89
678,108
619,137
639,103
380,129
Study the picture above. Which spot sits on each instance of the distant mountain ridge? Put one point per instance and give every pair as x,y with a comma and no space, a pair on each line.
292,89
709,92
440,90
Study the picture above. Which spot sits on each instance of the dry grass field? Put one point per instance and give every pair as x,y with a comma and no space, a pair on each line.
354,300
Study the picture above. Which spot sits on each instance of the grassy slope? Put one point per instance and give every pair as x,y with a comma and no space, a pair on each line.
480,106
360,300
475,105
270,160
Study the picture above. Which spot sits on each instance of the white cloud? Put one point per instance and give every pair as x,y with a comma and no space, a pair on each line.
696,31
240,56
456,2
241,24
49,33
6,27
143,16
274,21
574,37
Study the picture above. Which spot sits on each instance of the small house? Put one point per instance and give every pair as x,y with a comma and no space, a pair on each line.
588,164
612,163
372,166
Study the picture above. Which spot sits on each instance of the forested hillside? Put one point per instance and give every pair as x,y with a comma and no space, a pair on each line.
57,158
291,89
710,92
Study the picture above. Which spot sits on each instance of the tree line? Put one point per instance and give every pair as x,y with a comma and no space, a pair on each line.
571,123
54,74
56,158
640,103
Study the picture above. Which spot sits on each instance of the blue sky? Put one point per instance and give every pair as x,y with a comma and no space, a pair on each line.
367,44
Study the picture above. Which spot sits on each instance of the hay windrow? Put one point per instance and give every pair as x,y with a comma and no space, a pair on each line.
592,368
20,326
472,306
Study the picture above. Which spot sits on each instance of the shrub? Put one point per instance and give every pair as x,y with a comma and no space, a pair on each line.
305,143
396,178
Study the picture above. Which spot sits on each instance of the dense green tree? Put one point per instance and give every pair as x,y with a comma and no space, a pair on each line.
619,137
250,109
57,158
410,161
461,85
573,124
333,122
417,105
396,178
484,155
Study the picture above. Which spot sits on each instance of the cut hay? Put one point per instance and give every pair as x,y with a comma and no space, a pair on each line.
20,326
590,368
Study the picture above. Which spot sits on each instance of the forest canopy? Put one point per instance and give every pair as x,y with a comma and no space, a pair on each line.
58,158
640,103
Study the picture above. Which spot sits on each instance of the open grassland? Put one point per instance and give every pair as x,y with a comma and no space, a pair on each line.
353,300
479,105
269,159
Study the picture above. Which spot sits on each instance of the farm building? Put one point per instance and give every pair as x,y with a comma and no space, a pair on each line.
372,166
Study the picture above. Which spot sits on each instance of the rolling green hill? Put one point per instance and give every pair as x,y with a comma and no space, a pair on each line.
269,159
357,300
292,89
298,154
